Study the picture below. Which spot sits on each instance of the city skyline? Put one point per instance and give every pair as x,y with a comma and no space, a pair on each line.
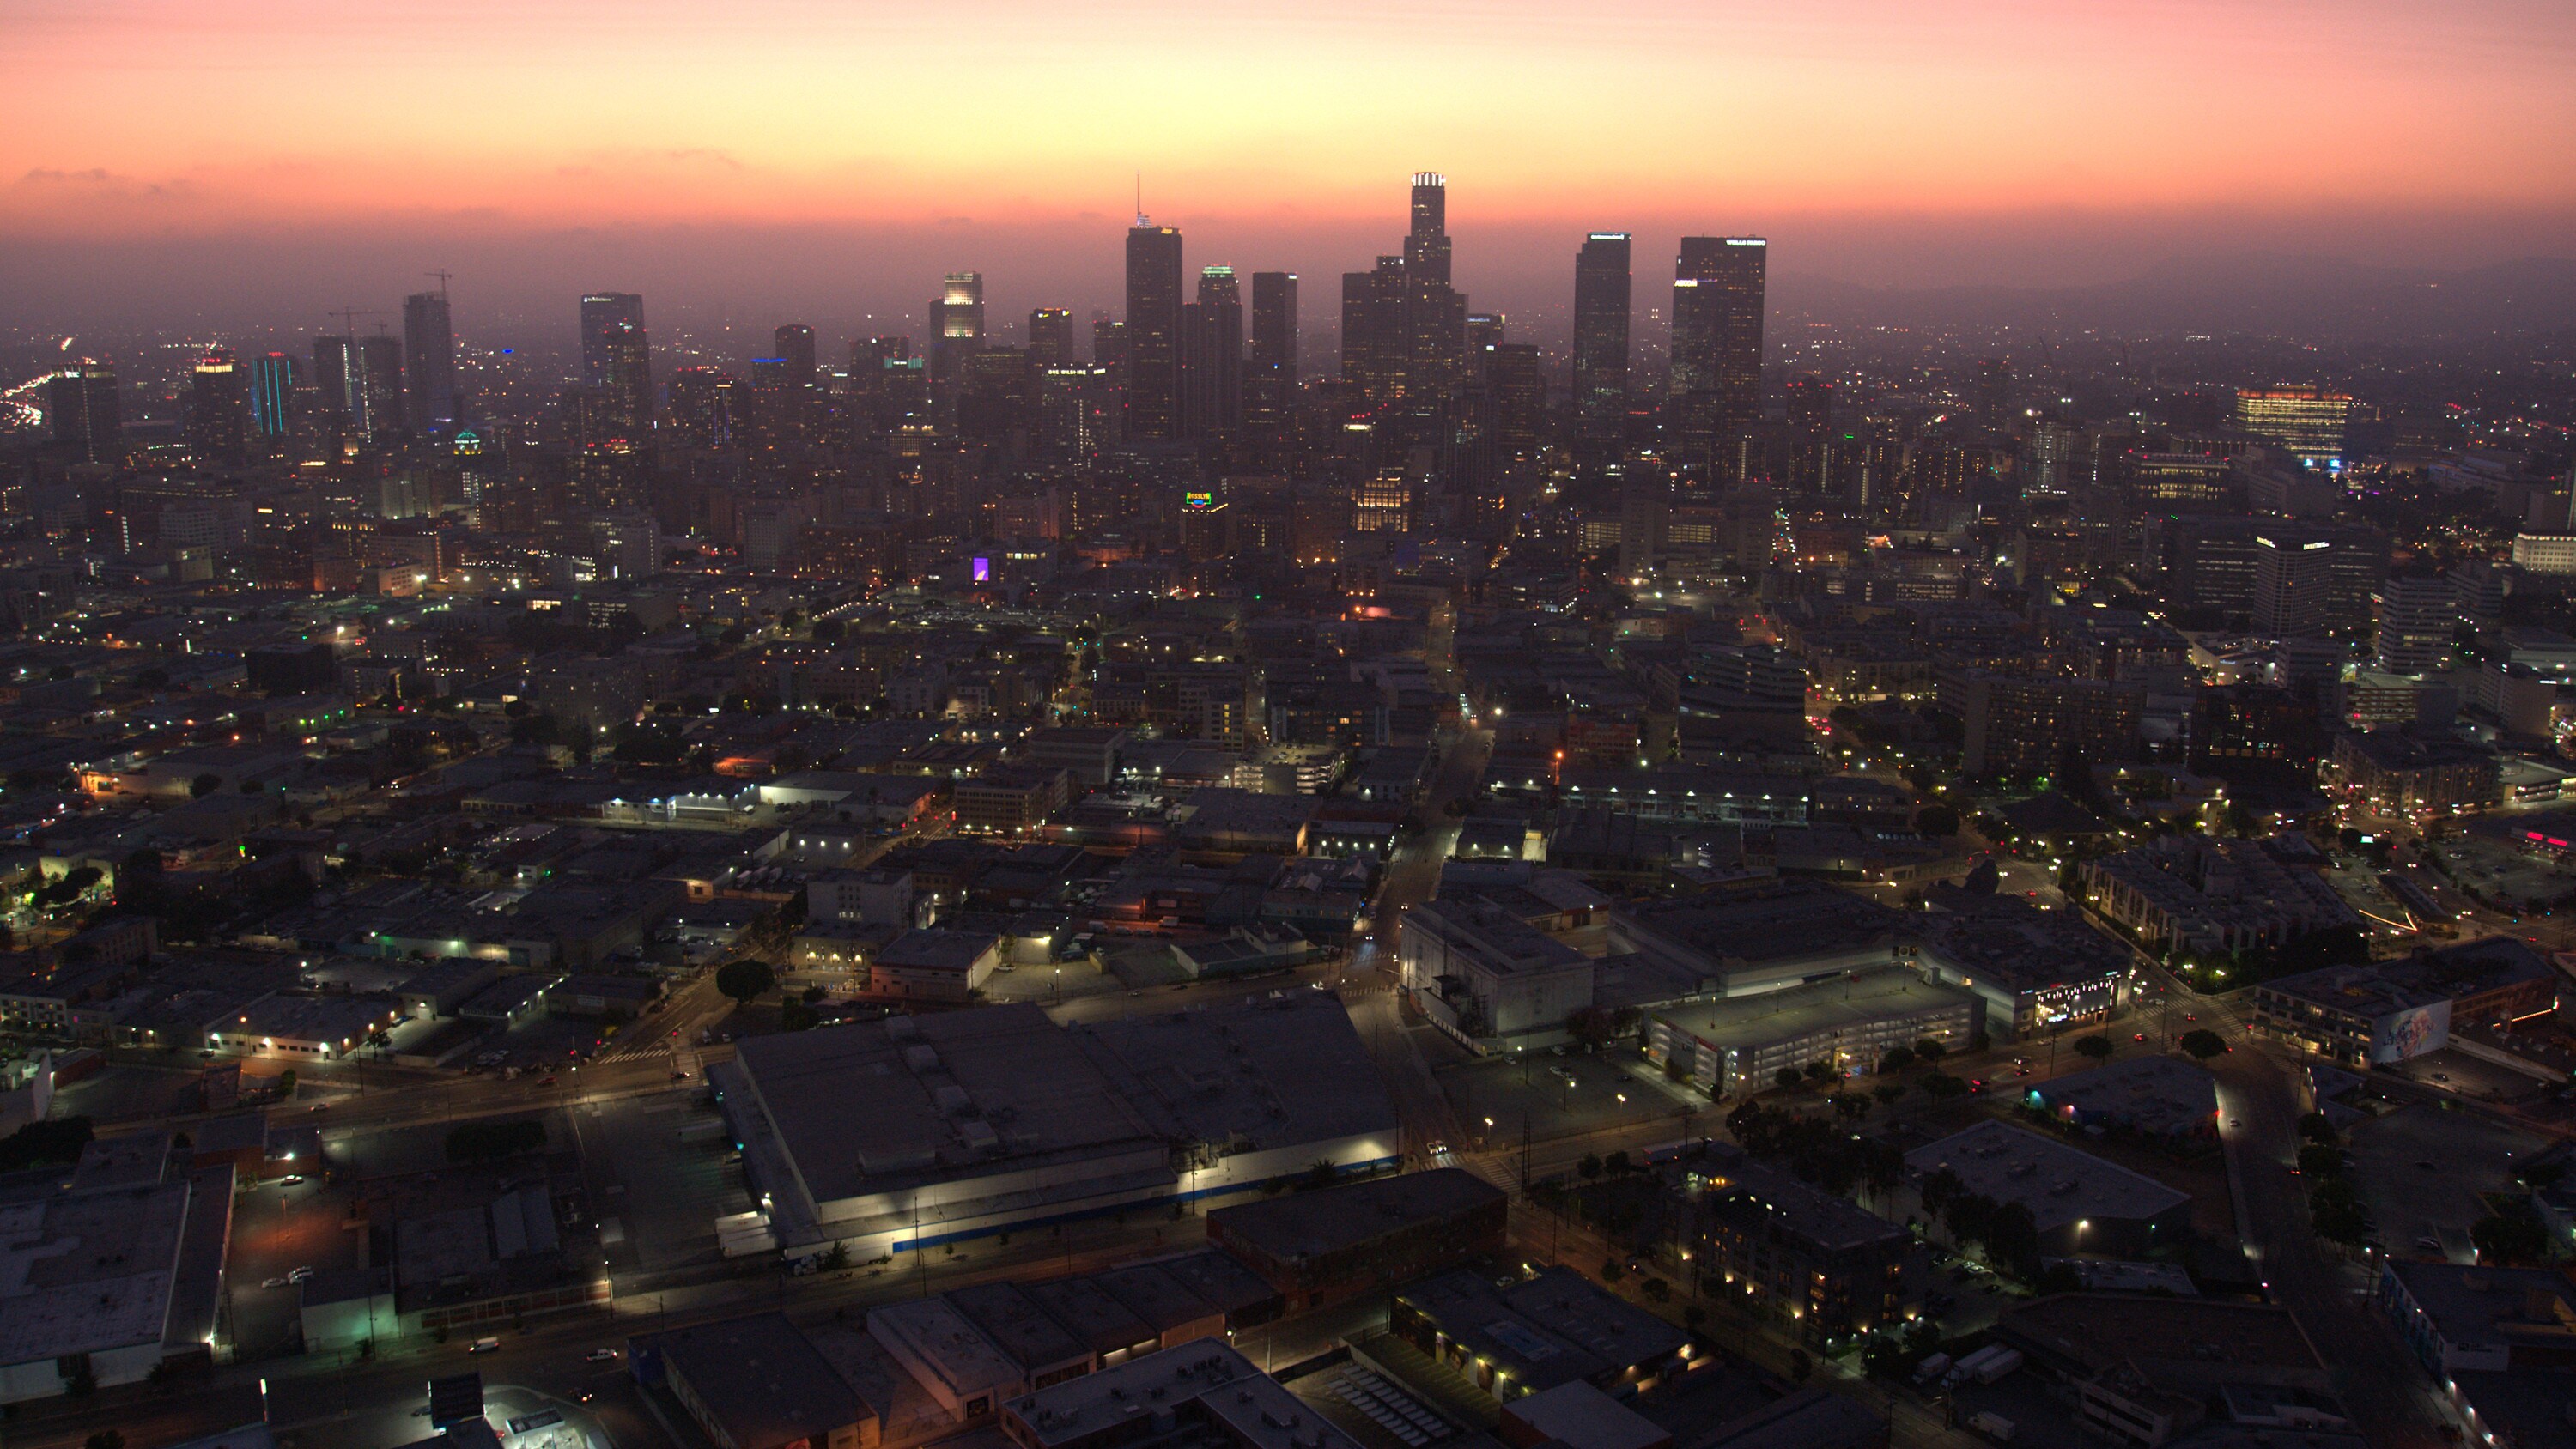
1961,145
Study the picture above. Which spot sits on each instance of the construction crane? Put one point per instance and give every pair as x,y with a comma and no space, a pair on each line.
349,318
442,276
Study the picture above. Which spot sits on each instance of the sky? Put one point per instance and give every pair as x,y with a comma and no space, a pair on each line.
758,159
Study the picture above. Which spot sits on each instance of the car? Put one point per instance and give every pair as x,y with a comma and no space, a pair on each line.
484,1345
2141,1036
679,1076
1976,1084
2190,1016
2429,1243
274,1283
602,1355
290,1180
299,1275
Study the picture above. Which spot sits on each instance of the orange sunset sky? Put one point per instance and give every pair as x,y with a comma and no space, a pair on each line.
1882,141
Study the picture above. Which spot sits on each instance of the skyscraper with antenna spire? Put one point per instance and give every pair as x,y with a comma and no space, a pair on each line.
1153,332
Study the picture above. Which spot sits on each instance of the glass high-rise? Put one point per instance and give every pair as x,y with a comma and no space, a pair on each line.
429,362
1153,336
1601,306
379,388
956,324
1718,286
272,394
617,359
795,347
1270,374
1050,337
1212,368
216,411
85,413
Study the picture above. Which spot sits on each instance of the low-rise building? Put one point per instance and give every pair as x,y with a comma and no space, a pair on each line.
931,964
1010,800
2079,1202
1794,1252
2390,1011
1488,978
1733,1044
316,1028
2156,1096
2187,892
1523,1337
1321,1247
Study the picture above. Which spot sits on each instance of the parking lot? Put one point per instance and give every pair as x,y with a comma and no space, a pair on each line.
1558,1096
2420,1170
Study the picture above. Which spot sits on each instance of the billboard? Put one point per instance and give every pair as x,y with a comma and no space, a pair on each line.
2410,1033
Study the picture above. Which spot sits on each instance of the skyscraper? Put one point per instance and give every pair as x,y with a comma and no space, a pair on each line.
956,324
604,317
429,362
2308,421
272,394
1270,376
335,370
216,412
1434,319
1717,342
617,359
796,349
85,413
1212,365
1050,337
1153,411
1601,304
379,388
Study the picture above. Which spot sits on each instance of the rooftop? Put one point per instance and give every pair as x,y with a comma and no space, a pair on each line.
2060,1184
761,1378
1312,1224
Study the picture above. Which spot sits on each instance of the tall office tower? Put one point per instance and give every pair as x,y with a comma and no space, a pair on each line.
429,362
1270,376
1994,389
1484,332
795,347
1434,325
1601,347
272,394
1076,412
617,360
1515,387
956,325
1645,519
1810,400
605,317
1108,341
85,412
217,411
1374,346
2293,582
1717,343
335,374
1050,337
378,404
2308,421
706,406
2416,615
1212,360
1153,411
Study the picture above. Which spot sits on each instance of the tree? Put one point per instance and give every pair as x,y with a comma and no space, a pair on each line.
1789,1078
1898,1058
2316,1159
1941,821
1820,1072
1610,1270
1849,1106
2095,1045
1983,879
1617,1164
2512,1236
1941,1086
1590,1166
2202,1043
747,980
1930,1052
1591,1026
1887,1093
286,1084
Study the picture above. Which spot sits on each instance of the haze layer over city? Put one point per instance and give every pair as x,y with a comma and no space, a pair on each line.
1645,726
